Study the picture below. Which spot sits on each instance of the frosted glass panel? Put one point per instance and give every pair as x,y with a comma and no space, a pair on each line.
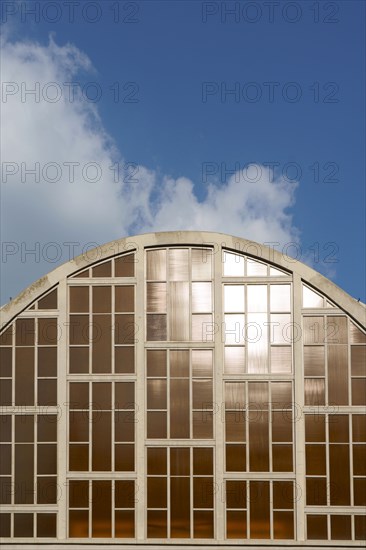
233,265
234,360
280,298
202,328
257,343
281,329
257,298
281,359
311,298
156,297
201,298
178,264
201,264
156,265
233,329
273,272
234,299
256,269
179,311
201,362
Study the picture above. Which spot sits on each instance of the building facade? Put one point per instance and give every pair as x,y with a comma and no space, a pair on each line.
183,388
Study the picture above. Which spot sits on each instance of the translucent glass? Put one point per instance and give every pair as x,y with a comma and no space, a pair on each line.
179,311
282,458
6,336
5,362
156,425
234,329
101,509
357,336
340,527
46,525
124,329
102,270
47,362
124,298
233,265
234,395
79,458
313,330
281,359
202,424
359,427
234,360
78,523
124,458
310,298
124,359
314,391
337,330
156,394
179,363
79,329
79,299
156,297
156,492
257,298
358,360
338,375
203,524
258,441
24,428
273,272
257,343
24,474
235,426
102,344
47,392
202,328
5,459
203,492
156,362
47,332
315,427
156,461
101,396
203,461
102,302
317,527
180,507
315,459
156,265
282,427
5,428
124,426
24,332
234,301
202,394
202,362
79,360
79,426
23,525
201,264
46,458
358,391
179,461
280,298
258,395
125,266
235,458
316,491
281,328
24,376
314,361
283,495
259,510
256,269
49,301
125,395
283,525
178,264
281,395
156,523
179,408
359,460
78,494
339,484
201,297
236,524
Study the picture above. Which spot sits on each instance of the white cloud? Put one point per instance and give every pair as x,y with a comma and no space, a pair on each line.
63,132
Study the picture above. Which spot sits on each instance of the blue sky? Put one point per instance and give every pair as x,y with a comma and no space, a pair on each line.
173,61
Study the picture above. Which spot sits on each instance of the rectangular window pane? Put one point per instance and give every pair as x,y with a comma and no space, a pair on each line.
257,298
202,328
156,362
358,360
125,266
102,299
234,395
314,360
124,329
234,360
178,264
24,376
281,359
338,375
24,476
201,297
102,344
156,327
314,391
234,301
257,343
156,394
233,265
201,362
101,509
180,507
339,484
156,297
256,269
179,408
79,360
259,510
124,360
125,299
179,311
47,362
156,265
280,298
201,264
258,441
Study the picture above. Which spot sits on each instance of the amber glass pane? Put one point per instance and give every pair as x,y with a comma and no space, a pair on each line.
315,427
201,363
317,527
235,426
201,264
5,459
6,490
5,427
202,328
79,458
124,496
46,459
125,299
178,264
283,497
156,297
79,299
102,299
234,300
79,494
202,424
338,428
315,459
358,360
179,408
258,395
314,391
124,395
47,362
79,360
236,524
283,525
124,360
359,460
125,266
101,396
101,441
124,422
47,392
180,507
340,527
102,270
156,425
79,426
125,329
156,327
156,394
157,524
47,490
281,395
156,492
124,456
359,391
280,299
202,394
5,525
156,265
102,344
259,510
5,392
339,484
236,494
203,492
47,427
6,337
359,485
282,458
313,330
47,332
156,461
359,427
203,527
316,491
203,461
201,297
125,524
360,527
156,362
24,477
179,311
24,332
46,525
281,359
78,523
79,395
101,509
23,525
5,362
235,458
258,442
338,375
234,360
79,329
314,360
179,461
281,426
24,376
24,428
49,301
357,336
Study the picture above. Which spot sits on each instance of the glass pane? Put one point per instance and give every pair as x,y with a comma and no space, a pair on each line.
79,329
47,392
258,441
337,330
257,298
5,362
156,265
79,360
281,395
234,328
179,408
124,329
281,359
202,424
201,297
340,527
281,328
360,527
282,426
316,491
234,395
283,525
236,524
179,461
359,391
234,301
180,507
315,427
258,395
310,298
314,391
201,362
358,360
46,525
178,264
203,461
156,297
79,458
273,272
125,395
47,362
339,484
102,270
5,392
102,344
156,492
157,524
156,362
315,459
156,425
156,327
124,458
124,426
156,394
24,376
202,328
201,264
79,426
124,299
359,460
256,269
5,459
313,330
282,458
283,495
314,360
23,525
338,375
24,474
357,336
257,343
47,427
179,363
259,510
24,333
280,298
6,336
338,428
79,299
156,461
78,523
49,301
24,428
359,491
234,360
203,524
5,427
235,426
101,509
102,299
101,441
78,494
179,311
5,525
359,427
233,265
203,492
202,394
124,359
47,332
46,459
125,266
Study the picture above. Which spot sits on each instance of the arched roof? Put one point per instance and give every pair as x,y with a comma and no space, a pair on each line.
252,249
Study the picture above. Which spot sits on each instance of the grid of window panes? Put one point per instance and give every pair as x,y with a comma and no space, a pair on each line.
28,423
179,295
